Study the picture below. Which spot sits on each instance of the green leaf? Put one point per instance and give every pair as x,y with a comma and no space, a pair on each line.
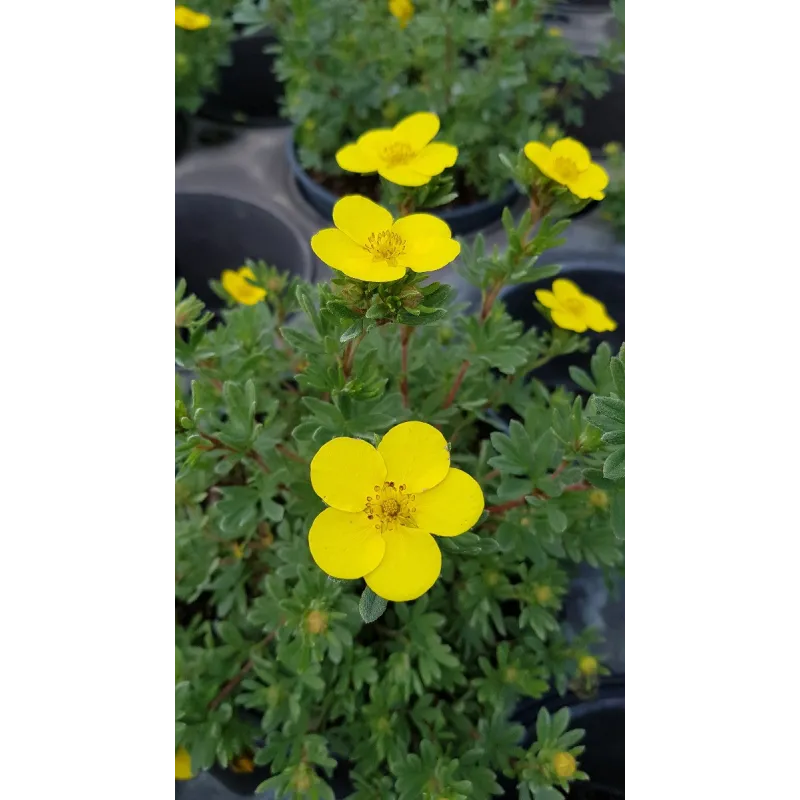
618,514
547,793
582,378
613,437
611,407
352,332
371,606
614,466
556,517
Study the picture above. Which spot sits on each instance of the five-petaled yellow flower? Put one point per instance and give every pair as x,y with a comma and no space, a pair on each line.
367,244
403,10
235,283
573,310
384,504
190,20
568,162
404,155
183,765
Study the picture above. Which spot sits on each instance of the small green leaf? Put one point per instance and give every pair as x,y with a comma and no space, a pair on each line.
371,606
614,466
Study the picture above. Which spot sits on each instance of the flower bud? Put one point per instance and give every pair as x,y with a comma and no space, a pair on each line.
242,764
598,498
564,764
542,594
316,622
410,297
180,413
588,666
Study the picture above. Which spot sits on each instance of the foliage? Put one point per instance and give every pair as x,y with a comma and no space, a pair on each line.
276,659
494,74
200,53
613,209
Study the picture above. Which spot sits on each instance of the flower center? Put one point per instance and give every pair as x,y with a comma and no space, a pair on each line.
397,153
574,305
391,506
386,246
566,168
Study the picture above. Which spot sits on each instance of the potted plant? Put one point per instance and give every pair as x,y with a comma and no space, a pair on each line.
614,206
202,33
494,77
248,92
367,587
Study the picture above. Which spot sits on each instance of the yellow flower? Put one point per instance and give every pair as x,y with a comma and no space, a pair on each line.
588,665
403,10
554,32
242,764
501,6
611,149
316,622
384,504
573,310
404,155
568,162
238,550
564,765
183,765
367,244
237,286
551,131
190,20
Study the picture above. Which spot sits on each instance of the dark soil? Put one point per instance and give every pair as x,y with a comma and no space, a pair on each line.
370,186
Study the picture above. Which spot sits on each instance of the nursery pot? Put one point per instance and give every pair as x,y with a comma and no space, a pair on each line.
248,91
601,275
462,220
181,134
603,719
214,233
603,117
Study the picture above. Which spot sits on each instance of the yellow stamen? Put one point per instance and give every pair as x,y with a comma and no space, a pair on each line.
391,507
397,153
386,246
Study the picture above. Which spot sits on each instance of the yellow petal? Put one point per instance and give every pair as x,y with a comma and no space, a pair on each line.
421,226
354,158
546,298
358,217
428,243
596,316
345,471
190,20
452,507
183,765
346,546
235,284
339,251
416,455
573,151
568,321
417,130
565,289
376,140
590,183
430,255
539,154
410,566
403,175
434,158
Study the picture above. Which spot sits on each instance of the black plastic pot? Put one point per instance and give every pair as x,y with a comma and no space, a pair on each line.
214,233
181,134
248,91
465,219
600,275
603,719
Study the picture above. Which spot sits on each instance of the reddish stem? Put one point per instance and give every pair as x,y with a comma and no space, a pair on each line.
220,445
289,453
456,384
405,335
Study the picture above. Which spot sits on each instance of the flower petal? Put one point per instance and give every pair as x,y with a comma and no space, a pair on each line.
573,151
183,765
539,154
358,217
417,130
421,226
547,298
415,454
403,175
345,471
410,566
590,183
375,140
434,158
565,289
339,251
431,254
452,507
354,158
596,316
568,321
346,546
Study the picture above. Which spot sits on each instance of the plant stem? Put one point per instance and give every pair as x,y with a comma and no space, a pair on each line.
350,354
520,501
237,678
252,454
405,335
456,384
289,453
